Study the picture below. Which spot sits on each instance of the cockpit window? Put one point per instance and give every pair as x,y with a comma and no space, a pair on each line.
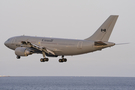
8,39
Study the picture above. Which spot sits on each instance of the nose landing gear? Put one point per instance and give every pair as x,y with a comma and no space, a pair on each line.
18,57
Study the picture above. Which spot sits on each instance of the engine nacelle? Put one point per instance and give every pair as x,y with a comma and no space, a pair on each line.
23,51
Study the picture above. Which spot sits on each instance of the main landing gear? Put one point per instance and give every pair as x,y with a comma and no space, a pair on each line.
63,59
44,59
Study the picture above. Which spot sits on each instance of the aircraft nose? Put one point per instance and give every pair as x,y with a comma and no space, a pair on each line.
6,43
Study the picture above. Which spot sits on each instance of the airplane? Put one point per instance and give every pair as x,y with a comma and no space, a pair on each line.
54,47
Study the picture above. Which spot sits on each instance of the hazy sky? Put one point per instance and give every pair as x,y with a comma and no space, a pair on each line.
77,19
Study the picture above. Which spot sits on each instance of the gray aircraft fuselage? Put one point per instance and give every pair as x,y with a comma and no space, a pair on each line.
59,46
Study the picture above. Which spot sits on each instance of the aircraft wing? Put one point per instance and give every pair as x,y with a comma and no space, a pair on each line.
42,49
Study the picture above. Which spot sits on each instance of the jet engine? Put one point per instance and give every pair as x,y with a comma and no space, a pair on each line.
23,51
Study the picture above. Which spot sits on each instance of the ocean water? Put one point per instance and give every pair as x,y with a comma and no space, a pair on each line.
67,83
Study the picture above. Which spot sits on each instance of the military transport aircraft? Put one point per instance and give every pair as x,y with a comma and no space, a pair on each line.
53,47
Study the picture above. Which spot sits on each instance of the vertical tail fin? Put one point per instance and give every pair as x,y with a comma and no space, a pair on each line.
104,31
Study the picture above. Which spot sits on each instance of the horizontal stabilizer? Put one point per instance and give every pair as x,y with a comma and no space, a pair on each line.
99,43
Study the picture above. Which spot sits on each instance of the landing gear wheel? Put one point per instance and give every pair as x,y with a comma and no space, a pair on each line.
63,60
18,57
60,60
44,59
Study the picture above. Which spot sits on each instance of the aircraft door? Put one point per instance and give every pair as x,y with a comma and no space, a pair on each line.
79,45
